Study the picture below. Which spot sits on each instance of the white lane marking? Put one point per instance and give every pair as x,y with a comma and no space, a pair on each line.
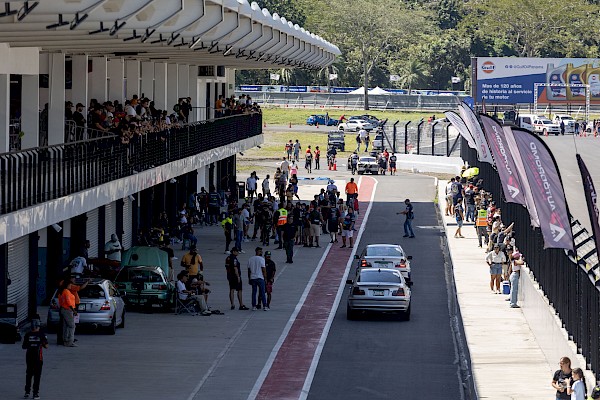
315,362
286,330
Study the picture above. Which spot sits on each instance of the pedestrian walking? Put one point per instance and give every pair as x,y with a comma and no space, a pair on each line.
481,224
271,271
288,234
317,156
227,225
257,275
560,378
347,232
308,160
238,228
410,215
358,140
251,185
351,192
367,141
514,270
315,219
34,342
495,259
266,190
460,217
234,278
297,149
392,160
333,222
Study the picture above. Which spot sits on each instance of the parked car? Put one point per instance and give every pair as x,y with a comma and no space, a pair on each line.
543,126
356,125
336,139
373,120
367,165
568,121
321,119
378,141
386,256
101,306
379,290
146,286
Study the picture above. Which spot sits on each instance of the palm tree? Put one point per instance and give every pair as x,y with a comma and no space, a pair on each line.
412,74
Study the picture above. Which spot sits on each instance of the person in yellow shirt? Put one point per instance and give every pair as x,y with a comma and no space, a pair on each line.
192,262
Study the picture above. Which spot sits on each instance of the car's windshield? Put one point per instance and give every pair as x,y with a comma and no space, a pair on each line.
92,292
379,276
139,275
367,159
384,251
546,122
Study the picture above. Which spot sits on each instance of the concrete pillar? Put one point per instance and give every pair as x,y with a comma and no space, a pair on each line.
116,80
56,101
30,111
172,86
183,80
193,93
147,86
203,112
4,111
98,80
202,178
132,72
80,81
230,76
160,86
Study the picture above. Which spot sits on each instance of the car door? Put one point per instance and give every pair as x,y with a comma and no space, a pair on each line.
118,302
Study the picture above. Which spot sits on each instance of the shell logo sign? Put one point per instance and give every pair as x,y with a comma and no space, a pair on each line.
488,67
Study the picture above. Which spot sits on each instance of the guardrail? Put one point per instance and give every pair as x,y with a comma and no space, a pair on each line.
33,176
424,138
568,281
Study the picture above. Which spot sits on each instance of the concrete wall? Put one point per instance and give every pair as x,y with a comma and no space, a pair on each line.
422,163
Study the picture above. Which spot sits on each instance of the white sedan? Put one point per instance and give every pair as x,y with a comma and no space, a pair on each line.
386,256
367,164
356,125
380,290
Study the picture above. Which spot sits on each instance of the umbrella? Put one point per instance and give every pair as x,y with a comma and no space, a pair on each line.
471,172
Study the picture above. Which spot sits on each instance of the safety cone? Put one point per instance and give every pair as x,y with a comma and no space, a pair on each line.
290,125
546,133
335,165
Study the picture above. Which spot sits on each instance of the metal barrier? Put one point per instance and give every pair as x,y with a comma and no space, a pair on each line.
567,281
420,137
41,174
355,101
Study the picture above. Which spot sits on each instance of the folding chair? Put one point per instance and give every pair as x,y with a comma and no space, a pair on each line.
185,306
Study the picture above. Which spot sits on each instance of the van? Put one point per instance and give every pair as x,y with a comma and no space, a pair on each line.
525,121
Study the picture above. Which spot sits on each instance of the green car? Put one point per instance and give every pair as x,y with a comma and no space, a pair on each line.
144,277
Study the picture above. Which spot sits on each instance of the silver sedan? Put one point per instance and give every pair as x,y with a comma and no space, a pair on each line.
380,290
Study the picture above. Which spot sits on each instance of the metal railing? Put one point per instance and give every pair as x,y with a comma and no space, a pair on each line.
568,281
33,176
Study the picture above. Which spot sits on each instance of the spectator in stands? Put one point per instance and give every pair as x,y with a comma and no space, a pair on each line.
79,120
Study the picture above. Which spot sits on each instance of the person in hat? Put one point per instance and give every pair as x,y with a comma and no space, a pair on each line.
234,277
34,342
192,262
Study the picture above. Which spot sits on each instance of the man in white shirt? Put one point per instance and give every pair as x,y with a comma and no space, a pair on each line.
112,248
185,294
78,265
285,168
251,185
257,274
266,190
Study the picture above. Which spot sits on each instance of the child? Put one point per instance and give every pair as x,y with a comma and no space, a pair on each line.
576,385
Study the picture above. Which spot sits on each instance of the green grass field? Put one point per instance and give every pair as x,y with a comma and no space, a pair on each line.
297,116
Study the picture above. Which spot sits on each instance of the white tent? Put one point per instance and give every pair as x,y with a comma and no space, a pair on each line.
361,90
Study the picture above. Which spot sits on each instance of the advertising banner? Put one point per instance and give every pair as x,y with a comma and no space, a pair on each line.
590,198
481,145
546,189
505,164
460,126
511,80
251,88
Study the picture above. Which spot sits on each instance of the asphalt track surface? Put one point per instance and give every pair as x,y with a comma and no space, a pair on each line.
378,356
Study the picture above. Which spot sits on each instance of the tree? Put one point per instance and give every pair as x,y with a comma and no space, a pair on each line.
369,31
448,14
412,74
285,8
532,27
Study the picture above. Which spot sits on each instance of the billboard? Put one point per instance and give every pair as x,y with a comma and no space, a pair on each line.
511,80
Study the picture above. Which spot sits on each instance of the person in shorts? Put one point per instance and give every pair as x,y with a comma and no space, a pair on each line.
234,277
347,231
495,259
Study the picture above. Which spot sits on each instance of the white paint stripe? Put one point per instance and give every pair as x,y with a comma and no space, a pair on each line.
315,362
286,330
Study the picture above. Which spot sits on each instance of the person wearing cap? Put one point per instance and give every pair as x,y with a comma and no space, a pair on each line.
234,277
113,248
515,273
34,342
495,259
192,262
257,275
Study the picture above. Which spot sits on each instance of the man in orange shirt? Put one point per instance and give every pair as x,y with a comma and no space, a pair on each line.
351,192
74,288
68,311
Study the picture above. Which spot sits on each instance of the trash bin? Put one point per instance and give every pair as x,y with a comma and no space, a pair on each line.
9,333
241,189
